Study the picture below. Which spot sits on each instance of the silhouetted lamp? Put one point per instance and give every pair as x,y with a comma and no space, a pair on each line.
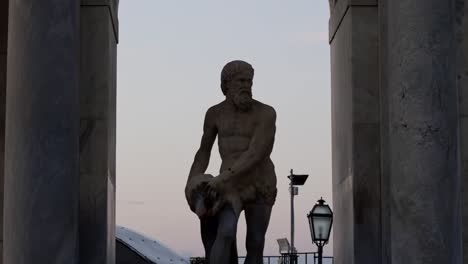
320,223
294,181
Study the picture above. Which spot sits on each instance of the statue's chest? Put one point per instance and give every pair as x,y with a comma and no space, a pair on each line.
236,124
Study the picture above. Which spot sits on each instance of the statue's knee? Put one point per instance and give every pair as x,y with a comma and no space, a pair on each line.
227,233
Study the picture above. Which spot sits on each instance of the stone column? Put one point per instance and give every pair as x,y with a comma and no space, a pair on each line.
99,27
3,72
462,83
422,139
356,131
384,130
41,150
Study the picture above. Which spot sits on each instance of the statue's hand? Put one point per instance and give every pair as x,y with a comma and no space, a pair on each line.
213,188
196,189
216,184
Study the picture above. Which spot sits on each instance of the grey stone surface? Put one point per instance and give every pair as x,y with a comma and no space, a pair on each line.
464,173
422,137
462,83
97,135
386,233
366,134
41,151
342,152
356,137
338,10
3,72
113,7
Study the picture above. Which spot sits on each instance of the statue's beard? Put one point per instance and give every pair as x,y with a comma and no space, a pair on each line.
243,101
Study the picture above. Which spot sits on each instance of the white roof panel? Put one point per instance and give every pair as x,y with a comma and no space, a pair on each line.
149,248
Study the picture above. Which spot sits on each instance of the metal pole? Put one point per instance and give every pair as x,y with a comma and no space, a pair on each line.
320,251
291,190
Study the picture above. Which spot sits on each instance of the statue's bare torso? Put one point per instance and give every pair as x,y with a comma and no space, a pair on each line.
235,130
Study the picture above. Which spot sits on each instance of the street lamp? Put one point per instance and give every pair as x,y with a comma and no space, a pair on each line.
284,250
294,181
320,223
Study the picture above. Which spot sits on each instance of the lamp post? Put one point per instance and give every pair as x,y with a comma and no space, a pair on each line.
320,223
294,181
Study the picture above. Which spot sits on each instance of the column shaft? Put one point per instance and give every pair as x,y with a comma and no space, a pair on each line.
462,83
422,138
3,72
41,151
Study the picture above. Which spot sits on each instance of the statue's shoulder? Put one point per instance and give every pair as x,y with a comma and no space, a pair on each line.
265,110
215,108
214,111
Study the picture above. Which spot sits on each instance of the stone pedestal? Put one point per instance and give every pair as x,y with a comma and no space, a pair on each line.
356,131
42,130
99,27
422,140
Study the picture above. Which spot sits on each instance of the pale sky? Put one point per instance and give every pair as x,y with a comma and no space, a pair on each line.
169,61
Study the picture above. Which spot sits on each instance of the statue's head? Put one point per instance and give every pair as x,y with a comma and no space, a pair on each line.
236,83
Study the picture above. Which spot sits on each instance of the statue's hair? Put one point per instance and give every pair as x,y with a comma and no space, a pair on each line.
231,69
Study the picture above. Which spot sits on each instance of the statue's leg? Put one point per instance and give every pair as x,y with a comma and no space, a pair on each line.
257,217
234,256
208,227
225,236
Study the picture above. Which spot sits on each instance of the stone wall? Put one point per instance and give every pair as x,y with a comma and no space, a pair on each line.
98,39
356,131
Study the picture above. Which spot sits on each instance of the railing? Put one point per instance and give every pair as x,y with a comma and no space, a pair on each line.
302,258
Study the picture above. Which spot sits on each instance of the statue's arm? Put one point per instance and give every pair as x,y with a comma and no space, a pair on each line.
202,157
260,146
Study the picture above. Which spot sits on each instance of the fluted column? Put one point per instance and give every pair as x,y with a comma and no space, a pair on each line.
41,152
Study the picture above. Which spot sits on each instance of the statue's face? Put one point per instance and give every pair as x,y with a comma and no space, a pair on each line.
239,90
